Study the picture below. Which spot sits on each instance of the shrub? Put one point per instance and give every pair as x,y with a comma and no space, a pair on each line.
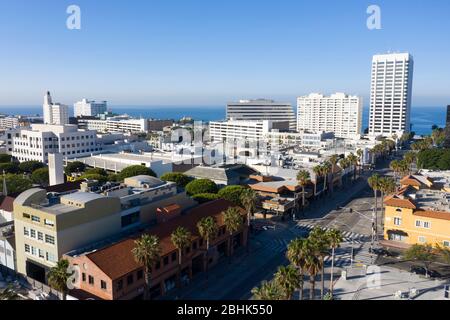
40,176
205,197
99,171
5,158
74,167
30,166
135,171
434,159
179,178
9,167
93,176
16,183
232,194
201,186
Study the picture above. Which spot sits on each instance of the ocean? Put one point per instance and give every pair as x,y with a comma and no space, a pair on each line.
422,118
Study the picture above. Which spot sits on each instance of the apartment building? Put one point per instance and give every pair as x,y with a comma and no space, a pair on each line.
8,122
48,224
38,141
339,113
391,94
242,130
55,113
261,109
304,138
419,212
110,272
116,124
89,108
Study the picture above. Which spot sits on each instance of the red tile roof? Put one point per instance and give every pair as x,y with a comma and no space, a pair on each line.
7,203
394,201
432,214
117,260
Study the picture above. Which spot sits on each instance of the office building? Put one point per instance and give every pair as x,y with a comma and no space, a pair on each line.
242,130
55,113
391,93
89,108
261,109
38,141
338,113
115,124
8,122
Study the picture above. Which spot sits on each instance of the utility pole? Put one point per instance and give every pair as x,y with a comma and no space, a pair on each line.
374,228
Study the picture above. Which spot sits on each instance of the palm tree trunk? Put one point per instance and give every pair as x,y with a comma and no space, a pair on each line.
147,294
207,261
332,271
179,267
322,279
230,239
303,197
312,292
300,295
248,230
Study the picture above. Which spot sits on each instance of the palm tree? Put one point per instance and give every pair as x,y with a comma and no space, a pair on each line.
207,228
318,173
58,277
410,157
233,221
326,169
360,154
335,238
181,239
321,244
147,251
353,160
387,187
395,166
249,199
288,278
312,266
303,178
268,291
344,164
296,254
333,161
374,183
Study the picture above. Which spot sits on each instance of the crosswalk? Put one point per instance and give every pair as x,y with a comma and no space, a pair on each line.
303,229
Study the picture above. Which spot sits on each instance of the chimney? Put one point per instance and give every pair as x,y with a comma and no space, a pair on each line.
55,168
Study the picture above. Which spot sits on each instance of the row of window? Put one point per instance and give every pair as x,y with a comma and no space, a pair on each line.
47,222
38,235
39,253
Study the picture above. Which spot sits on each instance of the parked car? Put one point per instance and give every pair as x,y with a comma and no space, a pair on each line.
422,271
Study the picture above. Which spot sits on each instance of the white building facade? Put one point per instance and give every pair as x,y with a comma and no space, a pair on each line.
115,125
37,142
8,122
89,108
261,109
55,113
338,113
391,93
239,130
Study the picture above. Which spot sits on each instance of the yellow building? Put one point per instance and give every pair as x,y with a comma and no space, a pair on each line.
419,213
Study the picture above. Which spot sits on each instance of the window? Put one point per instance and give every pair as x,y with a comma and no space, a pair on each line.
49,223
103,285
397,221
399,210
49,239
422,239
446,243
427,224
26,216
83,277
40,236
120,285
91,280
130,279
26,231
35,219
174,256
140,274
166,261
41,254
418,223
27,248
158,265
33,250
130,219
50,257
33,233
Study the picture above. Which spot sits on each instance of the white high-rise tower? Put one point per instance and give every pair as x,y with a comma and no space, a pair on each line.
55,113
391,93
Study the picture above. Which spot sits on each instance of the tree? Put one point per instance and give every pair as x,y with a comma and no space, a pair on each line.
296,254
359,154
374,183
74,167
94,176
421,253
9,167
335,239
312,266
30,166
4,158
16,183
179,178
344,164
232,194
40,176
8,293
321,244
201,186
318,173
207,228
303,178
395,166
269,290
410,157
233,221
249,199
98,171
58,277
353,160
137,170
387,186
333,161
288,279
205,197
147,251
443,252
326,169
181,239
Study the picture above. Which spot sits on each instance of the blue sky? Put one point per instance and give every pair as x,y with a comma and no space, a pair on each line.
206,52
